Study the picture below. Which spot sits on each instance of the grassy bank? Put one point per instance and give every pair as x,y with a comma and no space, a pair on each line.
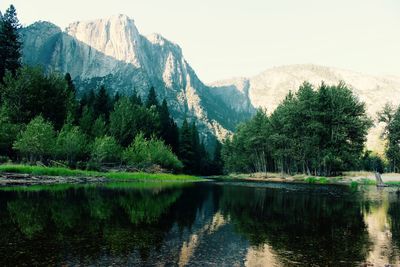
350,178
59,171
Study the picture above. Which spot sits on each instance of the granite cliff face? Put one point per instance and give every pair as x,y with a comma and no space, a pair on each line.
113,52
269,88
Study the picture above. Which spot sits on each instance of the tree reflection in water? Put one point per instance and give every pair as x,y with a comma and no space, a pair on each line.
202,223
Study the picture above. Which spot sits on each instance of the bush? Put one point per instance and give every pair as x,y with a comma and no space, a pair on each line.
143,153
70,144
105,150
37,141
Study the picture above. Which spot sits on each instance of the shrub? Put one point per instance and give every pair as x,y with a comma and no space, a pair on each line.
70,143
105,150
37,141
143,153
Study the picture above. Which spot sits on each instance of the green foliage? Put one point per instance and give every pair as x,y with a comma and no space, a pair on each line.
70,143
128,119
372,162
317,180
99,127
102,103
86,120
313,131
8,133
152,99
10,44
32,93
105,150
391,118
143,153
37,140
168,129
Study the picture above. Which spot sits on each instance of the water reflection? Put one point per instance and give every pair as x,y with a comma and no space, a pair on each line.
199,224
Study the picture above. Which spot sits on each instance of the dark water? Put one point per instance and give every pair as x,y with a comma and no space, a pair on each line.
201,224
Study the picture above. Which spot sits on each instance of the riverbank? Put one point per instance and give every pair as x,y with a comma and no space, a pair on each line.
15,174
348,178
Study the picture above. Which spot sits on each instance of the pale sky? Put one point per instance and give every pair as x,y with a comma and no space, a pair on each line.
226,38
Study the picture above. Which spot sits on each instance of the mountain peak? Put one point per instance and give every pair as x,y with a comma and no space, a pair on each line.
116,36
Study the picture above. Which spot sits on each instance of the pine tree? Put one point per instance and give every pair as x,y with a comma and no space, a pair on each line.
102,103
151,98
169,129
217,164
135,98
10,45
185,147
196,159
72,104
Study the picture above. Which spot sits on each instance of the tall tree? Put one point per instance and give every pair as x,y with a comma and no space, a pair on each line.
186,152
102,102
10,44
32,93
169,130
152,98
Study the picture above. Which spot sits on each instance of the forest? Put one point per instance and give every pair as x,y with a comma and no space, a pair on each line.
316,131
42,119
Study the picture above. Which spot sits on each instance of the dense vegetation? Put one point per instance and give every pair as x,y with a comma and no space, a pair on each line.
43,119
319,132
390,117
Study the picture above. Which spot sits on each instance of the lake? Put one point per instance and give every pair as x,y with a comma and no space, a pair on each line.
199,224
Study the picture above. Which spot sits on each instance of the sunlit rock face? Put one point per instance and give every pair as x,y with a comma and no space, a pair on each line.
112,52
269,88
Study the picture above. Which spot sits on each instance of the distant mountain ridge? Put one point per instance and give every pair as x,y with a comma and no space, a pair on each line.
113,52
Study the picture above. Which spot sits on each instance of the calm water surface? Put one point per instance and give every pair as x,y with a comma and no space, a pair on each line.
200,224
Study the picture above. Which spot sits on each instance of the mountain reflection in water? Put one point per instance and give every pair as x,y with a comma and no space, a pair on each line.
199,224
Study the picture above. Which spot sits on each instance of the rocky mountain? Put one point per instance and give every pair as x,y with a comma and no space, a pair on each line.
112,52
269,88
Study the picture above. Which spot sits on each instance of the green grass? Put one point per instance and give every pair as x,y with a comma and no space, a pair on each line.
59,171
50,171
148,176
397,183
365,181
317,180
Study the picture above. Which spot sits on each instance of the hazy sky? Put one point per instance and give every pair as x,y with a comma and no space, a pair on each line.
226,38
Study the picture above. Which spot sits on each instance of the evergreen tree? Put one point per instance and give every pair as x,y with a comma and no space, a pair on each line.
186,152
196,148
169,130
217,163
101,105
152,99
99,127
135,98
10,45
32,93
72,104
87,119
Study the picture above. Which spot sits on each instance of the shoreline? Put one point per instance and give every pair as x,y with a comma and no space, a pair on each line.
350,179
24,175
